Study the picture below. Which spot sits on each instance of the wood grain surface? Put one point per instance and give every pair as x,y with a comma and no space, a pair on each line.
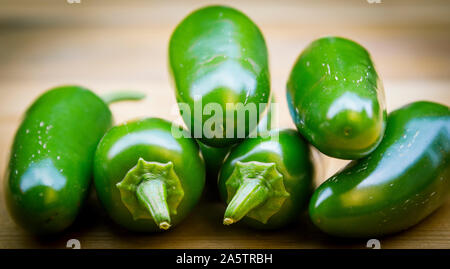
109,45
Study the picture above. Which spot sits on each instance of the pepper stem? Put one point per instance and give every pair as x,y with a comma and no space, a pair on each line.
250,194
153,195
255,190
122,96
152,190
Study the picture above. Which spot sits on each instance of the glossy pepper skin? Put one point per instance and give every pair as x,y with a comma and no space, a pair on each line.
267,181
50,164
217,55
214,157
145,150
403,181
336,98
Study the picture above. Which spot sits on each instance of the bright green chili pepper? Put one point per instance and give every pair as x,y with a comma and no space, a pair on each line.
50,166
218,56
146,178
214,157
404,180
267,181
336,98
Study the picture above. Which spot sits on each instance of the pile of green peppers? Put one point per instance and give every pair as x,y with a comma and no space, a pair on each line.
149,174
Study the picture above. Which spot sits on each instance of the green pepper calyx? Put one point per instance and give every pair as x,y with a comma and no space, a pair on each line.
152,190
255,190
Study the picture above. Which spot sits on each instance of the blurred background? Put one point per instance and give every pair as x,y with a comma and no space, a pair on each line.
108,45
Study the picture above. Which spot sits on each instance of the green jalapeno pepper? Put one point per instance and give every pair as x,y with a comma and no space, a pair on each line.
146,178
214,157
267,181
50,164
219,65
336,98
404,180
